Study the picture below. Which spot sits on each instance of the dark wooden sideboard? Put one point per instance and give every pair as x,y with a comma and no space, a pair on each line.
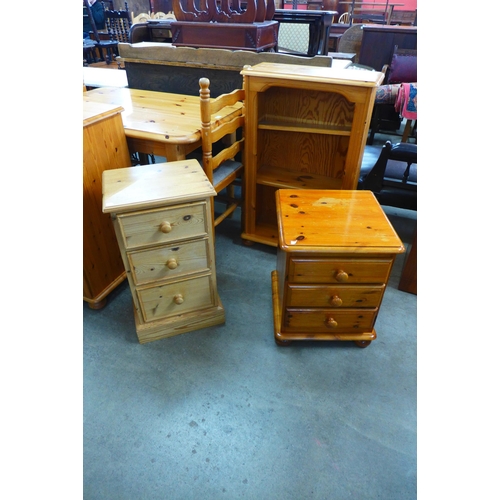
378,43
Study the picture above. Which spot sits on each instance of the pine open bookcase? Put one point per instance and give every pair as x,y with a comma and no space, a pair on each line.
306,128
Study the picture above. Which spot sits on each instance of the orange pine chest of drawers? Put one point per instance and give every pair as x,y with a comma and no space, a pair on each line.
335,255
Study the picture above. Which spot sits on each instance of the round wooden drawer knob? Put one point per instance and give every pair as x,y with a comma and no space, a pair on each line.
341,276
178,299
172,263
165,227
331,323
336,301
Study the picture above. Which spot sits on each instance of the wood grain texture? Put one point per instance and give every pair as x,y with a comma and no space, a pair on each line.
306,128
163,223
104,148
336,250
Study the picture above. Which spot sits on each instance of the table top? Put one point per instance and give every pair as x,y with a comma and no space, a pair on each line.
157,116
334,221
153,186
103,77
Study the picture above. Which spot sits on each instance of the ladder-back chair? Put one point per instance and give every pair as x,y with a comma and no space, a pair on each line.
118,24
222,147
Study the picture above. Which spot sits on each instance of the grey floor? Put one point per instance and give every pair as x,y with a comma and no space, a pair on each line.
224,413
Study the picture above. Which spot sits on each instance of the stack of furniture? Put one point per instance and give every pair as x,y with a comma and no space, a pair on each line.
306,128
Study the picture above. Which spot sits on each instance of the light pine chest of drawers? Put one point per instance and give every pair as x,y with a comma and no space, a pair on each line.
163,224
335,255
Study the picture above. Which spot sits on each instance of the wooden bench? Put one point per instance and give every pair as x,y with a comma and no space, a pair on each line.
165,68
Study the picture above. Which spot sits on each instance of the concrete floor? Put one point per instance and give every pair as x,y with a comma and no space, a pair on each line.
224,413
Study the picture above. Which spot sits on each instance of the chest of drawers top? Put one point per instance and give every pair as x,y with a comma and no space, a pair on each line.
153,186
334,222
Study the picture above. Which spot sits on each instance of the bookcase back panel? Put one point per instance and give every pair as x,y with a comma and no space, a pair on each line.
309,108
266,211
303,152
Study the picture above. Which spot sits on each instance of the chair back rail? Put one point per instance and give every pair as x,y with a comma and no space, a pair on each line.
222,147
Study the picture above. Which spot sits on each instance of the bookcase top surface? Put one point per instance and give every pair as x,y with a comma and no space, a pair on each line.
342,76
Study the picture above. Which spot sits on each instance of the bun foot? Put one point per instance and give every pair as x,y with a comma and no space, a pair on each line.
283,343
363,343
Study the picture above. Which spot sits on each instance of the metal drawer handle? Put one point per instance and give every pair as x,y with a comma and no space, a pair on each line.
331,323
178,298
341,276
336,301
172,263
165,227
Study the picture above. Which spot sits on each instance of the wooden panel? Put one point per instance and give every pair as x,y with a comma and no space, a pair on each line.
104,148
181,80
316,320
312,108
345,296
304,154
326,270
378,43
160,302
145,228
169,261
408,280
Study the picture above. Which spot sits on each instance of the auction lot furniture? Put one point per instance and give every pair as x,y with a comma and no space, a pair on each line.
306,128
159,123
312,27
104,147
377,45
165,68
163,223
335,255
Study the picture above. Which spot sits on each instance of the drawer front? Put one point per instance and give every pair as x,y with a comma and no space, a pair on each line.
328,321
334,296
180,297
164,225
170,261
339,270
160,34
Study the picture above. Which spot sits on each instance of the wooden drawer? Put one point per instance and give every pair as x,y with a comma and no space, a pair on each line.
159,34
339,270
334,296
176,298
169,261
317,320
163,225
